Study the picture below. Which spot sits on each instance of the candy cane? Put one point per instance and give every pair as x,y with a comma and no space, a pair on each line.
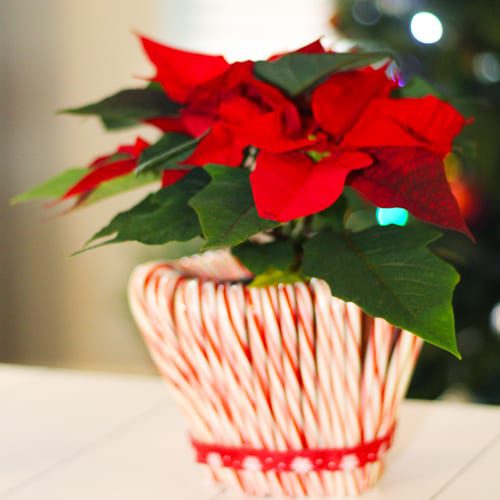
230,315
275,368
309,377
273,340
378,338
279,484
329,367
183,388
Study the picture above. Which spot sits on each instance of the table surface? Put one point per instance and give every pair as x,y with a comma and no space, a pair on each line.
69,435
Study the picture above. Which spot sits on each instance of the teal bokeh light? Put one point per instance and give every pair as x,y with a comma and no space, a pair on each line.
397,216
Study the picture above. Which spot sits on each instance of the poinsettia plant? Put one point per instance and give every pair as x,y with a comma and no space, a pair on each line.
267,157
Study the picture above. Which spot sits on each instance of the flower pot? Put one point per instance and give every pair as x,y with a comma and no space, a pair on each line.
287,390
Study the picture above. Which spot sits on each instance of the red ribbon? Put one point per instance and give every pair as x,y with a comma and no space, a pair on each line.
299,461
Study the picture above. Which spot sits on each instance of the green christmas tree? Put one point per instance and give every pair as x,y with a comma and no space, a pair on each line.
454,47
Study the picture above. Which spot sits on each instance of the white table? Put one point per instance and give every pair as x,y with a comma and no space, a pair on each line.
80,436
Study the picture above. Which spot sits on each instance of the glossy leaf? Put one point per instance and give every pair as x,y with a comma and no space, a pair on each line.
53,188
390,273
261,258
296,73
119,185
166,153
226,208
333,216
161,217
129,107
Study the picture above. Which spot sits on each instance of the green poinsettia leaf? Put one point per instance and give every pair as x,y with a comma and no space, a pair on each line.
117,123
129,107
119,185
390,273
226,208
276,277
332,217
53,188
296,73
161,217
166,153
261,258
416,87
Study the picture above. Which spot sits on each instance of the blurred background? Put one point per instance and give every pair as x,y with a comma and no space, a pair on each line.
72,312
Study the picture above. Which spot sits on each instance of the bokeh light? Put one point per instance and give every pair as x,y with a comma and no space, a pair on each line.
365,12
397,216
426,27
395,7
495,319
486,67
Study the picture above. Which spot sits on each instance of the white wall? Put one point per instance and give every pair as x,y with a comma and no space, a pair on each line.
244,29
55,53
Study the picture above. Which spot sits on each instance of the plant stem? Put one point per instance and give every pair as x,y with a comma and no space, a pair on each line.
296,232
298,255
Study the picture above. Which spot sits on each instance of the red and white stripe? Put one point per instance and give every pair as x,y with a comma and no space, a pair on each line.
275,368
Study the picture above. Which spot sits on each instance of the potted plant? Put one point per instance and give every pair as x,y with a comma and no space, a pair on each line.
290,340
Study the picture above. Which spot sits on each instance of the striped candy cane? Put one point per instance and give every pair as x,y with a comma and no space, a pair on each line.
277,369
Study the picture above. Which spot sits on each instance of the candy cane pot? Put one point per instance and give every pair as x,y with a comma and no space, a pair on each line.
287,390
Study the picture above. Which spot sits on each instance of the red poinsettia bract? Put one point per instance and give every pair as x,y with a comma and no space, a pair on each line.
388,149
117,164
108,167
406,140
288,186
346,131
226,104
